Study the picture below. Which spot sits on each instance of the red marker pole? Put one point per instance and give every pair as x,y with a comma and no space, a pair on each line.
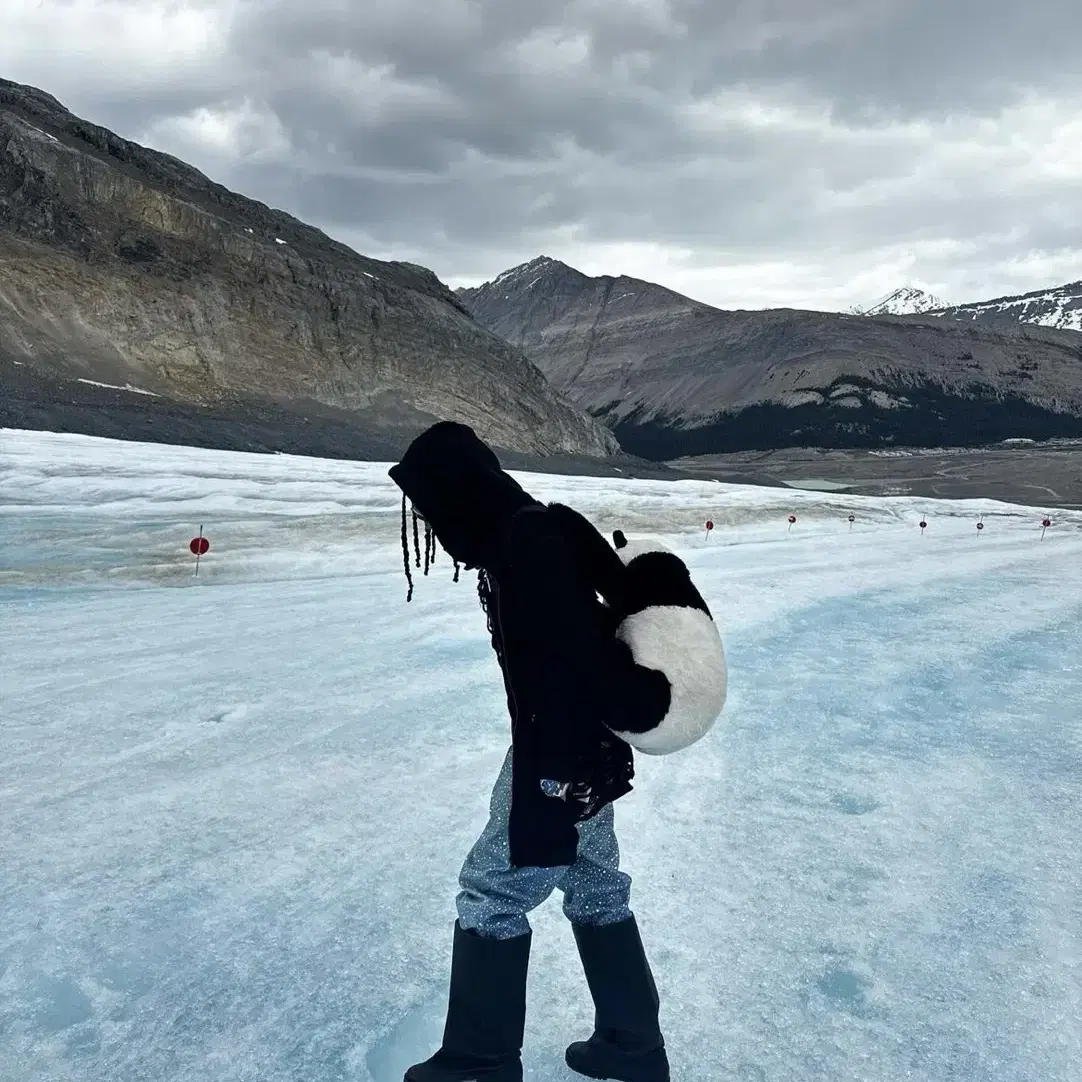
792,520
199,546
1044,526
709,527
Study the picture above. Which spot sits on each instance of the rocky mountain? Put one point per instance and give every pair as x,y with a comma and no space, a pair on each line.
907,301
675,377
1059,307
139,297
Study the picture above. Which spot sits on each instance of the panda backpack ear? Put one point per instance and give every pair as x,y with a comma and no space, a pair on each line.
630,548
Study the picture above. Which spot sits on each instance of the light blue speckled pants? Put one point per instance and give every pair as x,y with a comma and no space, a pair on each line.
495,897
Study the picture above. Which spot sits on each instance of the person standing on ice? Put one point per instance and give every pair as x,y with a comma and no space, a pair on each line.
569,685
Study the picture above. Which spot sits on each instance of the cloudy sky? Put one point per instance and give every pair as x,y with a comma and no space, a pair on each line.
750,153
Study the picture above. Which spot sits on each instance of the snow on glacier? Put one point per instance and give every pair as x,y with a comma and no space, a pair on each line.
233,807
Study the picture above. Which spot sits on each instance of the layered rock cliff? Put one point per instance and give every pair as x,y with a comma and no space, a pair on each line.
124,266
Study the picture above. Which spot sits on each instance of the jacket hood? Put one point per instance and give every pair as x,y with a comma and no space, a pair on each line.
455,482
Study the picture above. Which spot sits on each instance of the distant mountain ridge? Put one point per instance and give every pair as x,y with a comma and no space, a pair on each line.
674,377
125,267
1059,307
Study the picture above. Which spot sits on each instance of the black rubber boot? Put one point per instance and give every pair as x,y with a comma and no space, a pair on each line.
486,1012
627,1045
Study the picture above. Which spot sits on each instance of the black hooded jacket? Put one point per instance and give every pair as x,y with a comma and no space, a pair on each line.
541,569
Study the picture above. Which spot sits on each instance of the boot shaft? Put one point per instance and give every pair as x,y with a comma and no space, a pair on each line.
486,1004
486,1012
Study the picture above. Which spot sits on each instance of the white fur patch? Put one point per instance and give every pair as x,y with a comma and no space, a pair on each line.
639,546
686,646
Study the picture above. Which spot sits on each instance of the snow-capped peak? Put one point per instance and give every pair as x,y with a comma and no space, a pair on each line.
902,302
534,267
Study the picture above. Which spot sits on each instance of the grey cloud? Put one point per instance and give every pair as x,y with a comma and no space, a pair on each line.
478,131
898,57
864,59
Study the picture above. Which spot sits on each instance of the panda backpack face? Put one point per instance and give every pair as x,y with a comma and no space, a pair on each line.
668,627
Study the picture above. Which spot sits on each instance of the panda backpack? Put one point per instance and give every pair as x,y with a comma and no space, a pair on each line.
668,628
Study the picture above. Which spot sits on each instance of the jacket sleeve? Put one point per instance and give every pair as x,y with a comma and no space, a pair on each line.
563,647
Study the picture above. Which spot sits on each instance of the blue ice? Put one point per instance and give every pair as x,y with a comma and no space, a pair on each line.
232,809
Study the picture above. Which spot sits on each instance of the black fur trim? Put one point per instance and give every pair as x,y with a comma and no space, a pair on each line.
660,578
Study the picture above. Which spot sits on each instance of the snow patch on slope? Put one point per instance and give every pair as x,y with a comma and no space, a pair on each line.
1060,308
116,387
